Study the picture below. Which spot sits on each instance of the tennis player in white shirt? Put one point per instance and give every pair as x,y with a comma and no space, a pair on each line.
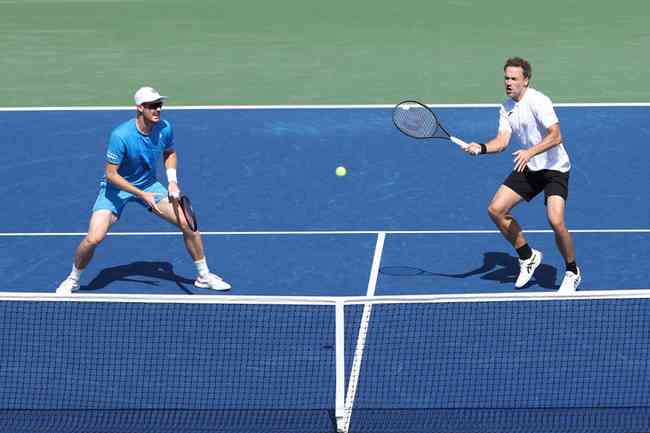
541,164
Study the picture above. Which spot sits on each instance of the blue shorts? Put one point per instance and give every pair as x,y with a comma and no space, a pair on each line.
114,199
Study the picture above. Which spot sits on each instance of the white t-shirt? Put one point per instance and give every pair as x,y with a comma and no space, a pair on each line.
528,120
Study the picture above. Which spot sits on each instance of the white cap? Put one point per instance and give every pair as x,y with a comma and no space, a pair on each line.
147,94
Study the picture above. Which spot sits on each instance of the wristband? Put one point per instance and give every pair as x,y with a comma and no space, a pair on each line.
171,175
483,148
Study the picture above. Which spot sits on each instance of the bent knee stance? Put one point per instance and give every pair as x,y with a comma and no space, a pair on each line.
556,220
92,240
557,223
497,213
188,232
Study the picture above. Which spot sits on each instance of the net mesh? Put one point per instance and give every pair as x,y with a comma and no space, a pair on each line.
233,367
553,365
560,365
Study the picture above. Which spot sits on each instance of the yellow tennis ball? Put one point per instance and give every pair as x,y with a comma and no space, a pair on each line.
341,171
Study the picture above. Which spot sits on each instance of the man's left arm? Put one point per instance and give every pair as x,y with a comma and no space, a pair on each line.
169,156
553,138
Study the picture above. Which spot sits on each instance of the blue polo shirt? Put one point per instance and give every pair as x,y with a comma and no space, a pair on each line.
137,154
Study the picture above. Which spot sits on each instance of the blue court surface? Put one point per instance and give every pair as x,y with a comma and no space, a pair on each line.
277,221
410,218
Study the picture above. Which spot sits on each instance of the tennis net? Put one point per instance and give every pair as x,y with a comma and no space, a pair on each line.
466,363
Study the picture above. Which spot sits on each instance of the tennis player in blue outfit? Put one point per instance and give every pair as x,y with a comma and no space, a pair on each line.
133,150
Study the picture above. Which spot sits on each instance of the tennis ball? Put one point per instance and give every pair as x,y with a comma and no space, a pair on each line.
341,171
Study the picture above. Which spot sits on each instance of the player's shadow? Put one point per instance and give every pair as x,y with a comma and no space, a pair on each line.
132,272
497,266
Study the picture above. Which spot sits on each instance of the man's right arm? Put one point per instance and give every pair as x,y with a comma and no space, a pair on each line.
120,182
498,143
495,145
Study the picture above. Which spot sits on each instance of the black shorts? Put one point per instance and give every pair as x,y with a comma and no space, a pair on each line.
530,183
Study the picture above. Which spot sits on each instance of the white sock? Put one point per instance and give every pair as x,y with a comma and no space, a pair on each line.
75,274
202,267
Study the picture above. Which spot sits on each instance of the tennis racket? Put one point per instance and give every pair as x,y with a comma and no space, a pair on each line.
190,216
187,209
418,121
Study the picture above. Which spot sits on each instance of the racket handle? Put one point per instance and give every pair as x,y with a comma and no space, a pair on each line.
459,142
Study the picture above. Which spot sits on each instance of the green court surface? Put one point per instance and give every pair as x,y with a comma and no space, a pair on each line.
96,52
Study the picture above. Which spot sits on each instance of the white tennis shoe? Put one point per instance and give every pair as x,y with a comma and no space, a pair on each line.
527,268
570,282
68,286
211,281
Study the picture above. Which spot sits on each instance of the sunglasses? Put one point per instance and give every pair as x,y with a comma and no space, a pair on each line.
153,105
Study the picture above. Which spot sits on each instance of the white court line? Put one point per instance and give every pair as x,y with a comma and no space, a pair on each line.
376,262
310,106
361,336
318,232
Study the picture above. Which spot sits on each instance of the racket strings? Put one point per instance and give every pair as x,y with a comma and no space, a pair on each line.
415,120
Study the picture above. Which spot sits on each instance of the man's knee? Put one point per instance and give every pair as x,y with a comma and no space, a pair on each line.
496,213
557,222
94,239
555,213
185,228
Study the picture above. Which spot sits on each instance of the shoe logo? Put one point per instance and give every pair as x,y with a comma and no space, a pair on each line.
530,265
